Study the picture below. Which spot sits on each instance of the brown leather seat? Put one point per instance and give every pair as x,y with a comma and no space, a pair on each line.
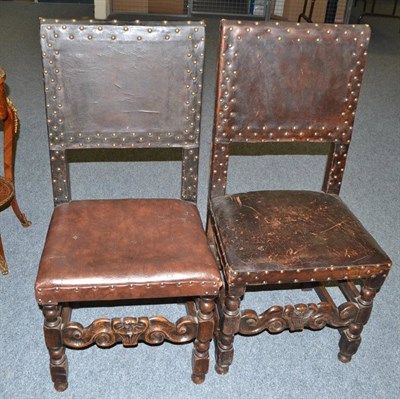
125,249
292,233
289,83
112,86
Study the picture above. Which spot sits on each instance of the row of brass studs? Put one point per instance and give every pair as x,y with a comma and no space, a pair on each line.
114,140
219,169
250,278
211,291
337,163
190,164
60,177
116,21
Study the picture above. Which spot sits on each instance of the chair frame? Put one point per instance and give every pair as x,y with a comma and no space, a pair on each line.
59,331
351,316
9,116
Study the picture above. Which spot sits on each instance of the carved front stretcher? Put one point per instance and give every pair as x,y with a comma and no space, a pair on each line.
129,331
295,318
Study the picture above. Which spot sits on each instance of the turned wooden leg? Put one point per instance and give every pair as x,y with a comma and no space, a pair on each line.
3,263
54,343
205,333
351,336
230,322
22,218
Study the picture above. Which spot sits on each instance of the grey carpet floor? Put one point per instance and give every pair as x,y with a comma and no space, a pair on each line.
287,365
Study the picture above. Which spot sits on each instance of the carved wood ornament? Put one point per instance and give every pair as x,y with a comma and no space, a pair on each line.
129,331
295,318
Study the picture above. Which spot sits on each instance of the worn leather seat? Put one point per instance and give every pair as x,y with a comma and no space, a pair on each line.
281,232
125,249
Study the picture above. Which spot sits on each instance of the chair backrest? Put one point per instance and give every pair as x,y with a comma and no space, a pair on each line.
287,82
117,85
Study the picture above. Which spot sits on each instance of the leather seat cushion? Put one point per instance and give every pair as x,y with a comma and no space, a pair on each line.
125,249
279,231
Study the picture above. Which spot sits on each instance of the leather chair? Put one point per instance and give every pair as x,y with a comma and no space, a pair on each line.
287,82
115,86
9,117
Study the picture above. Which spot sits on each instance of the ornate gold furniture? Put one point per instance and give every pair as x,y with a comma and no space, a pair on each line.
115,86
284,82
9,117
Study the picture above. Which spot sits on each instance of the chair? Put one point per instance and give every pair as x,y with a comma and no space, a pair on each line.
115,86
287,83
8,114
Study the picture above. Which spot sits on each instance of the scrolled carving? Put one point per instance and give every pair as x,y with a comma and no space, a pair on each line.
297,317
99,332
161,329
129,330
348,311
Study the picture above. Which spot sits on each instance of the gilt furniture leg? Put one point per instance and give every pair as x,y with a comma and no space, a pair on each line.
21,216
54,343
201,356
3,263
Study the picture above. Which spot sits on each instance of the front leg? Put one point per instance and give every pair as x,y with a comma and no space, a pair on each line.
206,326
55,346
351,337
230,322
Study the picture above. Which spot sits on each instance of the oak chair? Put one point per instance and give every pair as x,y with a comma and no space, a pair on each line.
9,117
116,86
284,82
